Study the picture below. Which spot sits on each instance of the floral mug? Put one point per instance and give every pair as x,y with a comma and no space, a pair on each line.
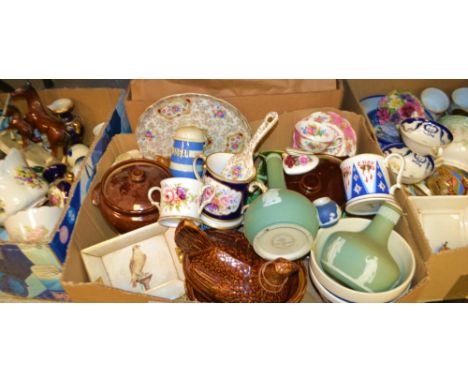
181,198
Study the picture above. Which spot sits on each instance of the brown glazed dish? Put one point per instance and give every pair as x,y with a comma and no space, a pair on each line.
323,180
122,194
221,266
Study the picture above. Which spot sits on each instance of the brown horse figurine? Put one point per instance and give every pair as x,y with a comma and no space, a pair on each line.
41,118
19,124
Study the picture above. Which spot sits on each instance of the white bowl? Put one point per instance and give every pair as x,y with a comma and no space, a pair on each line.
425,137
398,247
417,167
33,225
324,293
435,100
460,99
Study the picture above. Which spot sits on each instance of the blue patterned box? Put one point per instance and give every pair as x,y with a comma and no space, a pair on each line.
33,271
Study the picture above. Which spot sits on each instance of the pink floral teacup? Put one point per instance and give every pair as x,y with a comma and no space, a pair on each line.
181,198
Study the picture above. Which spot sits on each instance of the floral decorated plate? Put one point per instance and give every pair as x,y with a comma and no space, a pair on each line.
226,129
385,112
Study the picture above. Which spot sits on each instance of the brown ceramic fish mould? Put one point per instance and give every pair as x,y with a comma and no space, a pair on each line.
221,266
122,194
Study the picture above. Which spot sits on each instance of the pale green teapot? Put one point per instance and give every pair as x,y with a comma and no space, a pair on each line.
361,260
280,222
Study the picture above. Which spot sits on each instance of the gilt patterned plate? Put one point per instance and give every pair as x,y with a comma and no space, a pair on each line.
226,129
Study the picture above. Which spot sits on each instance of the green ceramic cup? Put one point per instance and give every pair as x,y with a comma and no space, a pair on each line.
280,222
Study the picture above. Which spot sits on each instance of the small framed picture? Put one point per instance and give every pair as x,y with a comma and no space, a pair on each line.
140,261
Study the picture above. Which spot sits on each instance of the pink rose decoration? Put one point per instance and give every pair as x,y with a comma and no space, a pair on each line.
168,195
303,160
208,193
224,200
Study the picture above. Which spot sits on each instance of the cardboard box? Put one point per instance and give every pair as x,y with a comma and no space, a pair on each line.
36,268
91,228
254,98
448,270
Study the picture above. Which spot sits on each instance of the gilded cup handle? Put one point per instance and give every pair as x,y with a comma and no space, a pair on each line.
257,184
209,200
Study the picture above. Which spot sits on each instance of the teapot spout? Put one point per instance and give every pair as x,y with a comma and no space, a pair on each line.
191,239
273,275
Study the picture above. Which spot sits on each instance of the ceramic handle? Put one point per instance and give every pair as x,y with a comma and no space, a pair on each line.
150,192
96,195
268,123
209,200
423,188
194,165
400,173
257,184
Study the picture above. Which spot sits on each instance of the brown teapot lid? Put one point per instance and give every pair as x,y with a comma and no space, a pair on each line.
125,186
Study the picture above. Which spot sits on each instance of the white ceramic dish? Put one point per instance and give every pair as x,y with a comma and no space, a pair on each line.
226,129
435,100
417,167
33,225
456,153
141,261
444,220
425,137
460,99
330,297
398,247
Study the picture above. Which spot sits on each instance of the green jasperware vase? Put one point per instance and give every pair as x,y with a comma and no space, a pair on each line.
361,260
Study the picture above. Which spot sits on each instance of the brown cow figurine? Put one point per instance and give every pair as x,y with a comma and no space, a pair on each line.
41,118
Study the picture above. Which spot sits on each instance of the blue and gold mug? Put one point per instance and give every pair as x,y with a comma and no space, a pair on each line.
188,143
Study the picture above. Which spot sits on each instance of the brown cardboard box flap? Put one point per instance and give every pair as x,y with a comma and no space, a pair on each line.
254,98
155,89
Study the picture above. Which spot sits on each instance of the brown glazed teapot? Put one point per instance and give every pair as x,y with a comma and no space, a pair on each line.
221,266
122,194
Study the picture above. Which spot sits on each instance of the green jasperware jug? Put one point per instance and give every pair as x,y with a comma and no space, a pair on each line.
361,260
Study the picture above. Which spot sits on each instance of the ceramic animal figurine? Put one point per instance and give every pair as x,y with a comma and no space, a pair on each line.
41,118
221,266
137,263
241,166
19,124
361,260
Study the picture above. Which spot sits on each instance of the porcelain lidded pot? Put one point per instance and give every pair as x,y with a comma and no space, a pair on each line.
122,193
188,142
20,186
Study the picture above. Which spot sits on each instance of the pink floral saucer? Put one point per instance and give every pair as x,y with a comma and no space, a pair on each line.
326,133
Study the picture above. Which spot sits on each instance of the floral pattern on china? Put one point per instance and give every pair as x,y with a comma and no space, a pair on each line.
325,132
225,127
26,176
225,202
398,105
177,197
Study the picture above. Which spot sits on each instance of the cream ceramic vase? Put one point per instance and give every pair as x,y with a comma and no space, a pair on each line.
361,260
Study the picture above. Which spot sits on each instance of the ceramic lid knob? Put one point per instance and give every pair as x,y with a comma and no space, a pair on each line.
137,175
190,133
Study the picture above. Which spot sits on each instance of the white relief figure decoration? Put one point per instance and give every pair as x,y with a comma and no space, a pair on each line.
370,271
271,197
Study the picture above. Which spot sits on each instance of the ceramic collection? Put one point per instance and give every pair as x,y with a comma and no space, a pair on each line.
243,221
43,150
